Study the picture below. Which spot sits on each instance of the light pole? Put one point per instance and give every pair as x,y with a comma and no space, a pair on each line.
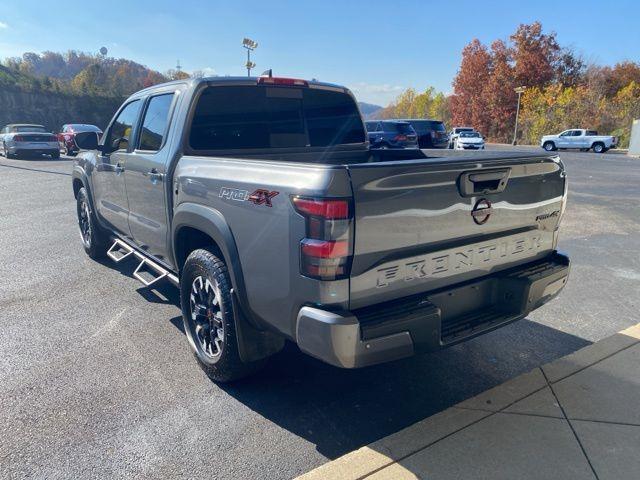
519,91
250,45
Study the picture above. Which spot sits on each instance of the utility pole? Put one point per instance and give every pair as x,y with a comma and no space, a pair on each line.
250,45
519,91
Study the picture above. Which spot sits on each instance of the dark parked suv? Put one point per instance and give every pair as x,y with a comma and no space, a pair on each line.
391,134
431,133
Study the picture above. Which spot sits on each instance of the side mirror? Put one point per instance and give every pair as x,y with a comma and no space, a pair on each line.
87,140
119,143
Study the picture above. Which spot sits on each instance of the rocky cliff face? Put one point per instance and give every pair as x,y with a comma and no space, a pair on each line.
53,110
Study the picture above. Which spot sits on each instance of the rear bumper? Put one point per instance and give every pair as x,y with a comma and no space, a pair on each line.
18,149
430,321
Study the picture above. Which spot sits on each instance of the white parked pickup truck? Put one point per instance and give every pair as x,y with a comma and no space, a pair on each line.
579,138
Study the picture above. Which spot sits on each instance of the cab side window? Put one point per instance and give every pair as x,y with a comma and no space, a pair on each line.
122,127
155,122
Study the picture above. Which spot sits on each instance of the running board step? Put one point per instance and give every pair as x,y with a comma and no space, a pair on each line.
119,251
147,272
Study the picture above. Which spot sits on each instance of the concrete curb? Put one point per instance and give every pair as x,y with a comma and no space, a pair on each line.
384,453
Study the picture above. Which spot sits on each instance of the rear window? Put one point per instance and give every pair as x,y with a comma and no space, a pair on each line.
262,117
424,126
85,128
30,128
592,133
398,127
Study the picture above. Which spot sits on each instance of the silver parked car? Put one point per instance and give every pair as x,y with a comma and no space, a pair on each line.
27,139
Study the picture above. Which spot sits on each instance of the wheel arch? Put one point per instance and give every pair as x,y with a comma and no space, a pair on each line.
196,226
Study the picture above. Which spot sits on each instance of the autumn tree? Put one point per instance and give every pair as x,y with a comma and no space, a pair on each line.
469,104
484,94
536,55
499,93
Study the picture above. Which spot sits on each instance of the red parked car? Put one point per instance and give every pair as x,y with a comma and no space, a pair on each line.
67,136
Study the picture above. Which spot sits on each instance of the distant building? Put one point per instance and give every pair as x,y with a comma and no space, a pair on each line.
634,144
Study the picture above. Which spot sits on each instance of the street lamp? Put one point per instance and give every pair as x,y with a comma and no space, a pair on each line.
250,45
519,91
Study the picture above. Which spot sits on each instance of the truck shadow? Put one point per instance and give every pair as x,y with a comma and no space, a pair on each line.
341,410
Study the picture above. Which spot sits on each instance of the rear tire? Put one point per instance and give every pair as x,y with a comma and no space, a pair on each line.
598,147
209,321
94,240
55,155
6,152
549,146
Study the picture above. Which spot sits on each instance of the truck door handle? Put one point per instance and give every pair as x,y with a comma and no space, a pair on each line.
154,175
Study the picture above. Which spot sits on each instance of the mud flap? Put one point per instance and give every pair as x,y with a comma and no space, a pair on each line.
253,344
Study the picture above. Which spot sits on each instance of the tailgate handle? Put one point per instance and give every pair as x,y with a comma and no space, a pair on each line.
484,182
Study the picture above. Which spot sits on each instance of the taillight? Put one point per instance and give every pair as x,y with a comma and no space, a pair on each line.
18,138
400,138
326,250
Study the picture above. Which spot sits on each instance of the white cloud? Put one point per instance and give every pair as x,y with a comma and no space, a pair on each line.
209,72
3,25
380,94
204,72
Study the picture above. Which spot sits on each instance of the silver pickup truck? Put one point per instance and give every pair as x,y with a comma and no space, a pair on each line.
261,200
579,139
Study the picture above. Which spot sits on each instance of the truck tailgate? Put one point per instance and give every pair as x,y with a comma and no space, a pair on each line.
424,224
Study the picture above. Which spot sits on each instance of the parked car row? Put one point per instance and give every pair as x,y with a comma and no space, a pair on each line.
421,133
25,139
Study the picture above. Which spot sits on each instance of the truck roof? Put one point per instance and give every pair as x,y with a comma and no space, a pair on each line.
229,81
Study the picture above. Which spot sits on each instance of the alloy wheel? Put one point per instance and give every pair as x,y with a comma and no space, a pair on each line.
84,222
206,317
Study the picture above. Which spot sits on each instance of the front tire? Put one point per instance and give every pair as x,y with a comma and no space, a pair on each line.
549,146
55,155
94,241
209,322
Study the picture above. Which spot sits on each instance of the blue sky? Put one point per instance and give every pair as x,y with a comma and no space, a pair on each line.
376,48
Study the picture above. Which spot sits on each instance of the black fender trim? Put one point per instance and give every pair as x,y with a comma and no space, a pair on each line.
78,173
254,341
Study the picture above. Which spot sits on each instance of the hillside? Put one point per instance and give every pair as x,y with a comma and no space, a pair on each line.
53,89
368,109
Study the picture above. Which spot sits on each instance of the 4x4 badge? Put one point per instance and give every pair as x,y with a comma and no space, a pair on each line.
481,211
262,197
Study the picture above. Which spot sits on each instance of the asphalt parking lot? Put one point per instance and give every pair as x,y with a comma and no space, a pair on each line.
96,378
